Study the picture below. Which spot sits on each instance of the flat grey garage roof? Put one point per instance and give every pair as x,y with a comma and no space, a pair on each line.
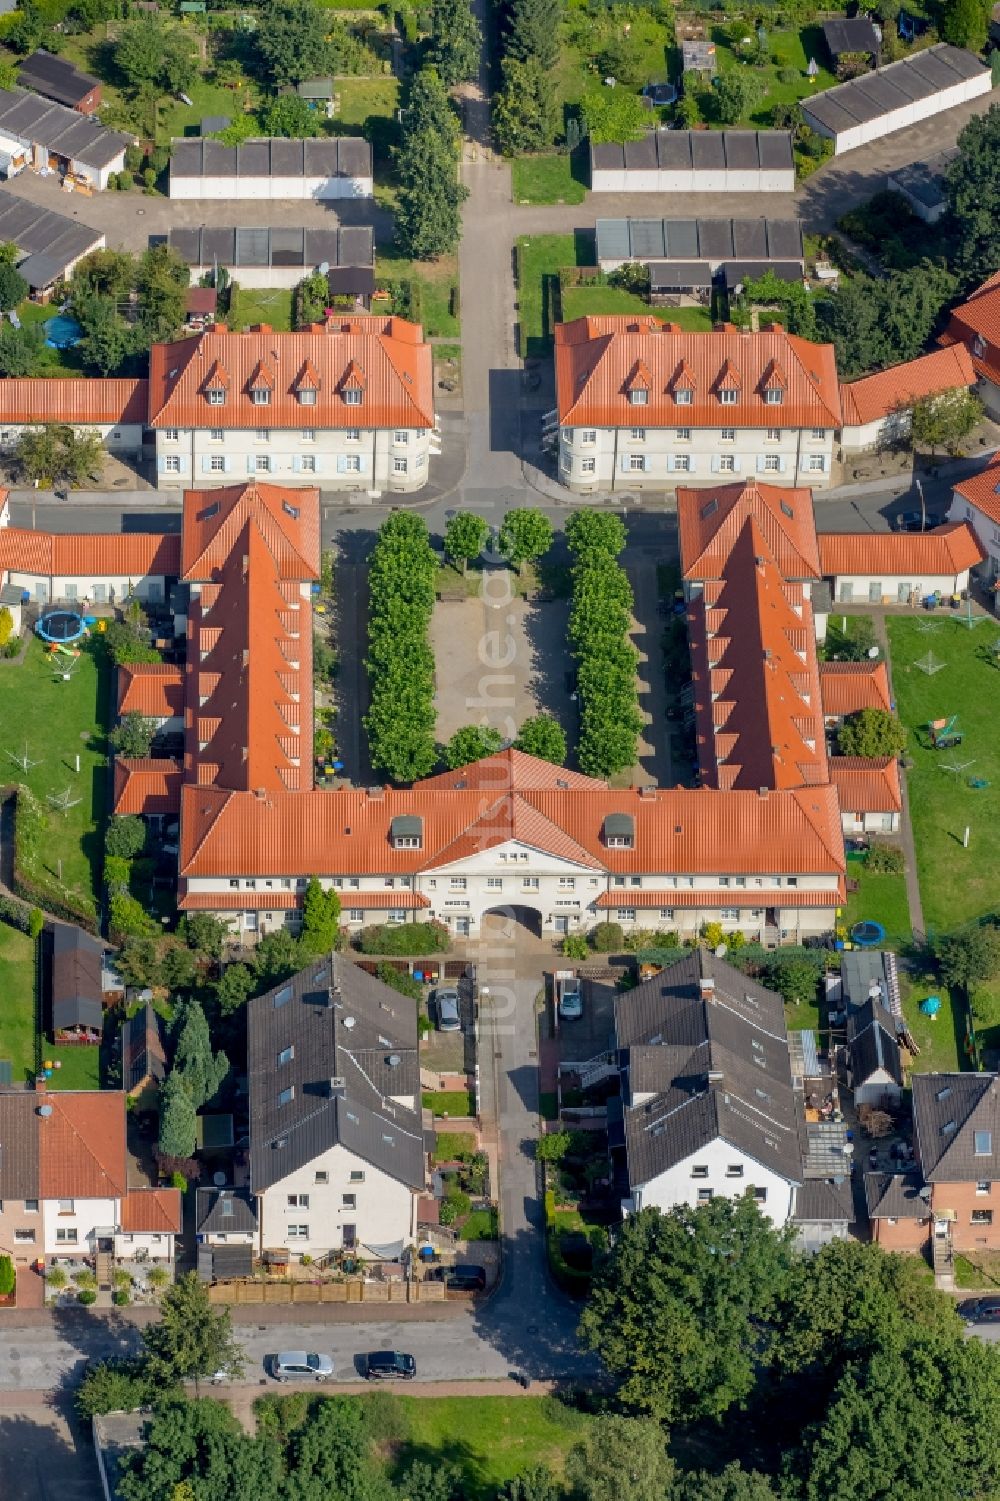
339,156
893,87
699,239
705,150
50,241
284,245
62,131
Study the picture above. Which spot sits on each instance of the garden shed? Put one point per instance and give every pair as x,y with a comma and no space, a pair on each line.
925,84
923,185
272,167
696,161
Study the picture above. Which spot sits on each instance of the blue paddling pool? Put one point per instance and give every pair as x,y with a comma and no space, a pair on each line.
62,331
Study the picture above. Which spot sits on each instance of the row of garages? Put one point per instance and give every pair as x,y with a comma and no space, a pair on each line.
272,168
38,133
50,244
281,256
696,161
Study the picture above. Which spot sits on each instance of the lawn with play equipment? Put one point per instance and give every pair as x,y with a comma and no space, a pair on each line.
50,716
943,671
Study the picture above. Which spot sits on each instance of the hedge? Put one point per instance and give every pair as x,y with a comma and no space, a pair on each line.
606,662
405,938
401,719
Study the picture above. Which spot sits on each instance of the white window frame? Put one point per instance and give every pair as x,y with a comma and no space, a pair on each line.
307,463
262,463
352,463
729,396
172,463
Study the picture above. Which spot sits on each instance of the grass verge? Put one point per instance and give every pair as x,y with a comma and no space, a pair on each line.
879,898
546,179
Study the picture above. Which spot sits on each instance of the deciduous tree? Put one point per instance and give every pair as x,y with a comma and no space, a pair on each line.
13,287
291,42
544,737
964,23
531,30
970,955
235,988
526,113
877,322
680,1309
428,221
455,40
20,349
192,1338
973,182
149,53
465,536
620,1456
943,421
132,736
320,919
588,532
126,836
737,94
525,534
288,115
200,1448
203,933
472,743
871,733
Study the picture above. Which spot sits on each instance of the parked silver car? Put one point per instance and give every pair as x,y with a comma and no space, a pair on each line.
301,1365
449,1015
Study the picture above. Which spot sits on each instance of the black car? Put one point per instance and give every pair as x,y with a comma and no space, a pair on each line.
915,521
980,1310
465,1278
389,1365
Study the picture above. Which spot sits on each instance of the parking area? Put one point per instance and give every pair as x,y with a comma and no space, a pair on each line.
583,1039
450,1052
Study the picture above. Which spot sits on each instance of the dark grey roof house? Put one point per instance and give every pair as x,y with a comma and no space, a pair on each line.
876,1062
144,1059
57,78
956,1121
707,1100
851,34
225,1212
334,1074
76,997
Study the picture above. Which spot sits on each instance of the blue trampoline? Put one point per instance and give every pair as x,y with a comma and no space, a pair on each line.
867,935
62,331
61,627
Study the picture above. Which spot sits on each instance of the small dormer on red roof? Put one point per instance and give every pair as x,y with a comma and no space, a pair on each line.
261,379
216,385
683,384
638,384
728,384
352,385
307,385
774,384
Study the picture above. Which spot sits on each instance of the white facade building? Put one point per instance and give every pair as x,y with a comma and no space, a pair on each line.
976,501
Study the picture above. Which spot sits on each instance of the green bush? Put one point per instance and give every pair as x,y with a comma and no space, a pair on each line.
399,980
575,946
405,938
8,1277
55,1277
607,938
400,663
606,662
87,1297
113,1386
120,1297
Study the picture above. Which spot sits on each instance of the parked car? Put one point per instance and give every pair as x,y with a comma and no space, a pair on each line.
449,1015
389,1365
980,1310
464,1278
570,994
301,1365
914,521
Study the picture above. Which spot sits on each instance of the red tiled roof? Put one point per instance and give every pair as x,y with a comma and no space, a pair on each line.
510,770
847,687
157,1210
239,901
595,356
391,353
867,786
756,687
897,389
348,832
382,901
976,324
80,555
942,553
63,399
709,522
153,689
214,522
147,786
981,490
723,896
82,1145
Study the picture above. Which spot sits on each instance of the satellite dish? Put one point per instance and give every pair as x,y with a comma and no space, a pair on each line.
721,951
873,652
45,1110
324,269
394,1060
350,1021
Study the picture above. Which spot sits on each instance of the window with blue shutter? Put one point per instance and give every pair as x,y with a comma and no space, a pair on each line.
296,464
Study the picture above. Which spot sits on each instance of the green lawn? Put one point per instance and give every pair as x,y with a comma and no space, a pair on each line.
956,884
540,259
262,305
937,1038
792,49
879,898
578,301
78,1065
430,290
492,1438
546,179
362,99
17,1003
174,118
56,721
460,1102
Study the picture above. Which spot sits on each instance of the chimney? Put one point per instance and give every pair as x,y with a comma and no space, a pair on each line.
762,792
337,1087
647,794
707,986
715,1076
41,1084
376,794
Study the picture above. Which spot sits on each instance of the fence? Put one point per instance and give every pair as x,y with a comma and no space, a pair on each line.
350,1290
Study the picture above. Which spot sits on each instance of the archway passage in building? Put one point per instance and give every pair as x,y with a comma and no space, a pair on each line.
512,922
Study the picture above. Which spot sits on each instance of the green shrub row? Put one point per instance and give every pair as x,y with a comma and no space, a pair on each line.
400,720
606,663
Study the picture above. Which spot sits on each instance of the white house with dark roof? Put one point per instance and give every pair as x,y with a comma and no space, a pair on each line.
338,1157
876,1065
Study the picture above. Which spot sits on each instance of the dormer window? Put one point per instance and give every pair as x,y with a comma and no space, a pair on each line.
260,396
307,396
352,396
406,832
216,396
979,346
619,831
729,396
638,396
773,396
684,396
307,384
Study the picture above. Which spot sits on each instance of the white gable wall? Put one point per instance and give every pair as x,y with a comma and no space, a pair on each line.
384,1211
678,1186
